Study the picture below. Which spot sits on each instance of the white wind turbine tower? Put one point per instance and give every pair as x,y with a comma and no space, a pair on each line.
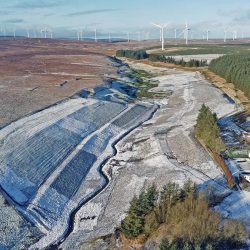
14,33
81,34
175,34
235,35
161,27
51,34
28,33
160,35
44,31
208,31
186,33
110,37
128,37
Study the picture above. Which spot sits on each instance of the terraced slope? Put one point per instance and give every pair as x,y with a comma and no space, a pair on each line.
34,157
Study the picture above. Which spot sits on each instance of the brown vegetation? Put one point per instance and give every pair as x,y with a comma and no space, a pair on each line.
33,72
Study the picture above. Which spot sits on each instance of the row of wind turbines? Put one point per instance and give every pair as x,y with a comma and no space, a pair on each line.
48,33
45,33
185,32
162,27
162,37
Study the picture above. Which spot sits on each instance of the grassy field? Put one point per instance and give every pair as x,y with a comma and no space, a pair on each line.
207,49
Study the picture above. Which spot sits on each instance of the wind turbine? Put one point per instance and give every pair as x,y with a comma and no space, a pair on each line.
234,35
14,33
175,34
161,27
128,37
110,38
44,31
208,31
28,33
186,32
51,34
81,34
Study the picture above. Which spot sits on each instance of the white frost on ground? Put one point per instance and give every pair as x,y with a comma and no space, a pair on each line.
50,161
161,150
207,57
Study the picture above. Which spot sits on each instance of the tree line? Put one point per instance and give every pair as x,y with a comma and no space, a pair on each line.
133,54
189,215
235,69
142,54
170,59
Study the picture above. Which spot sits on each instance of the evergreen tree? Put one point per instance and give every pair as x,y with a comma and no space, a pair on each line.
132,225
207,129
235,69
164,245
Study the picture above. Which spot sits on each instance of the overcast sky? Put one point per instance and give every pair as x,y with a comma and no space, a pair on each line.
117,16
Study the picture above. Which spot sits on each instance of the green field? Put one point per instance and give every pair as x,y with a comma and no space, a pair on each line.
207,49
